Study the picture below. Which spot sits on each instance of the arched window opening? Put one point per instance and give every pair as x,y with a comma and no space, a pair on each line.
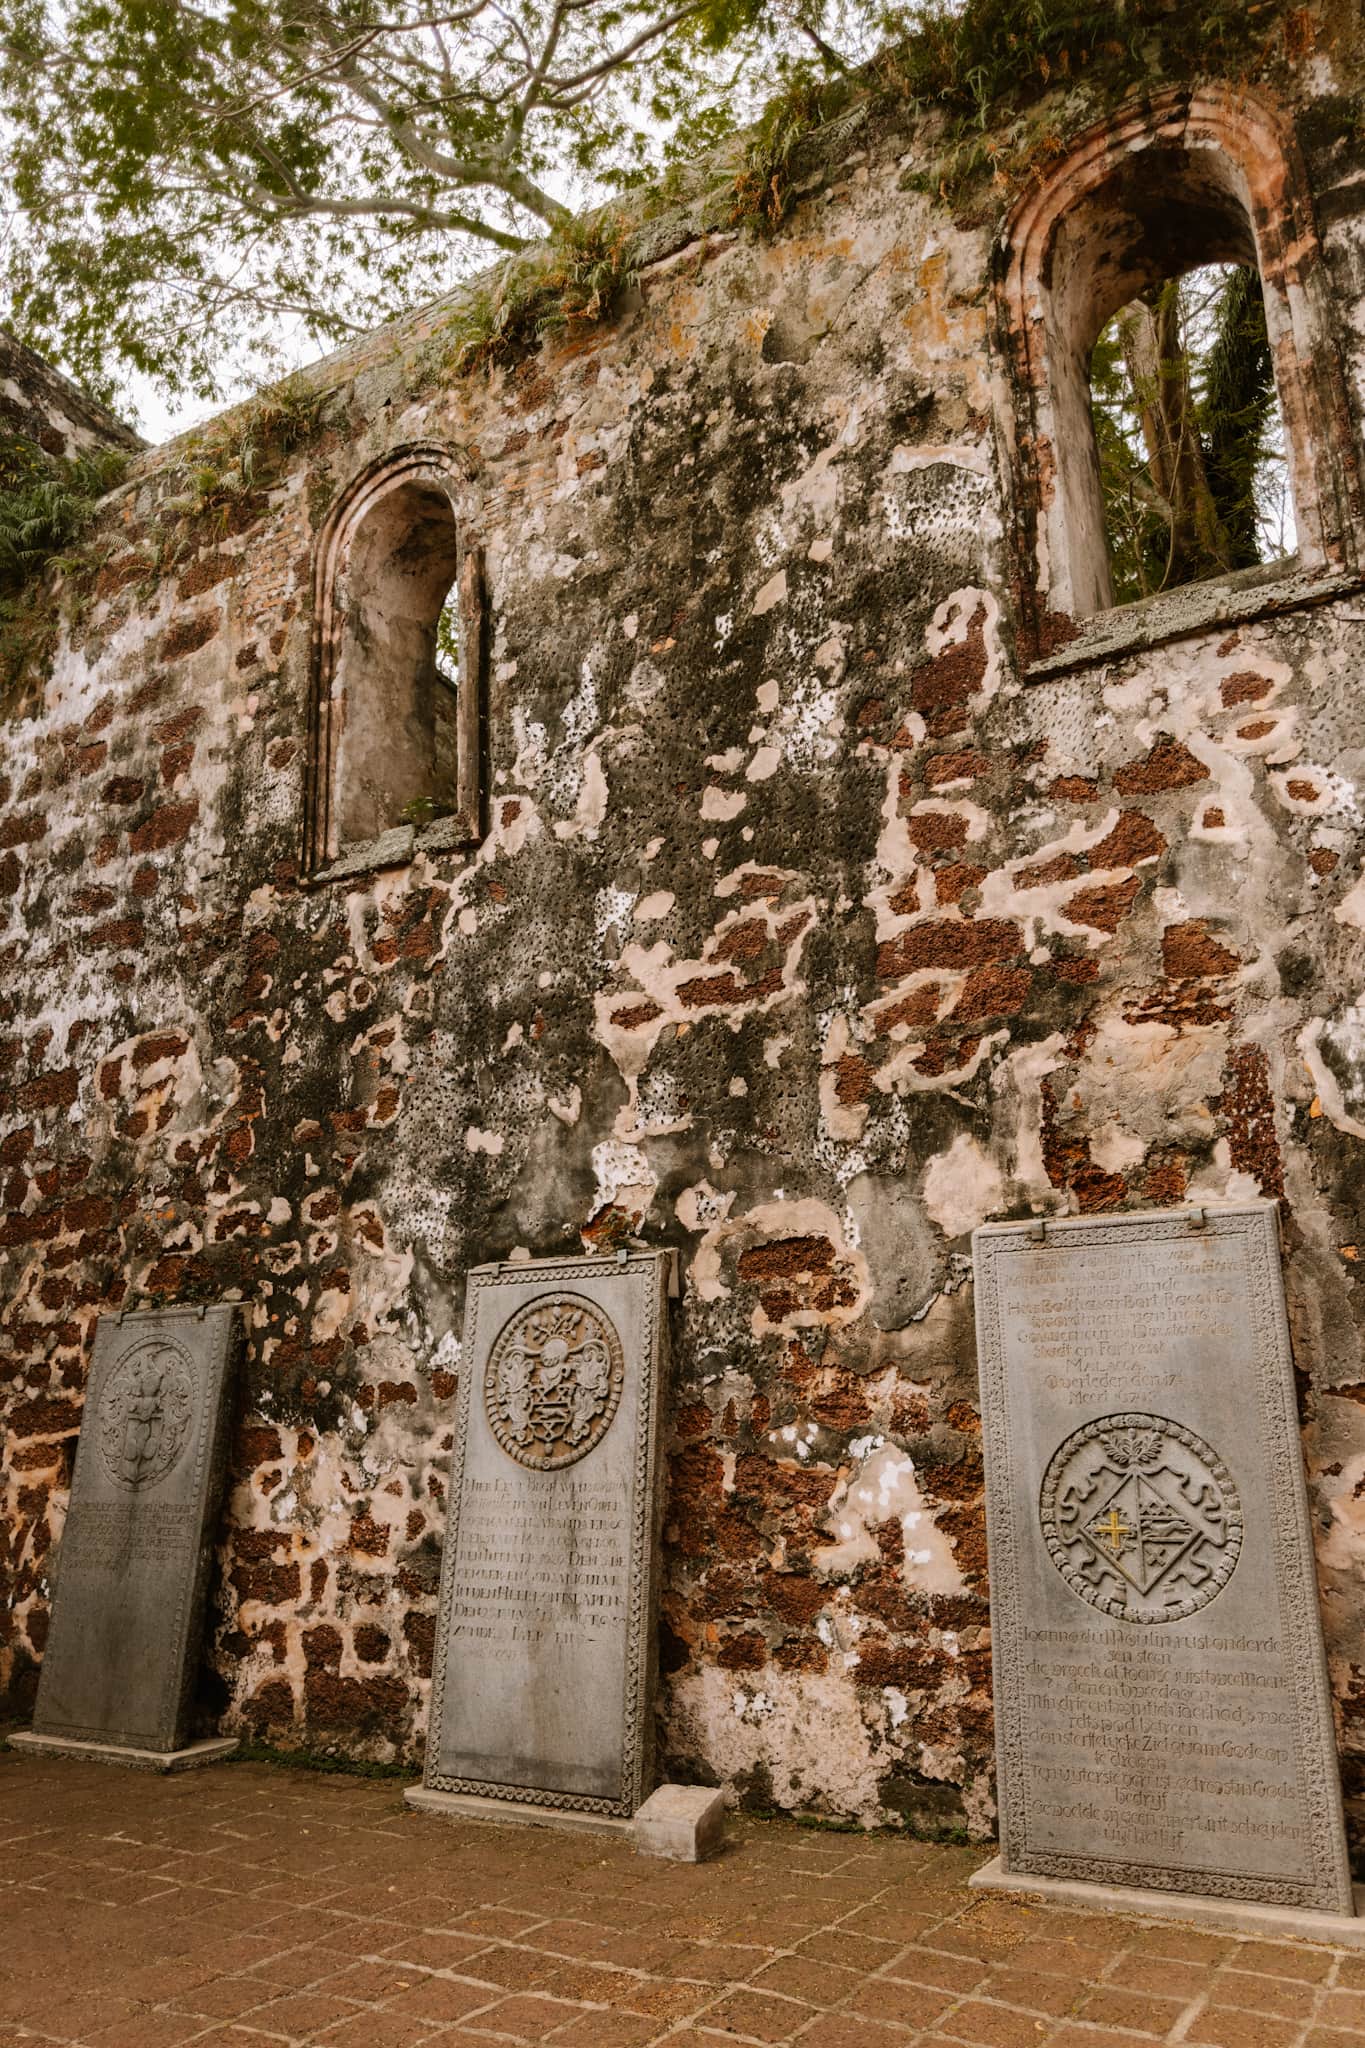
399,569
396,671
1189,434
1173,411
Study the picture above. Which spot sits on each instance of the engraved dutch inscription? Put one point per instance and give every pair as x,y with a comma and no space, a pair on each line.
542,1680
1162,1712
123,1646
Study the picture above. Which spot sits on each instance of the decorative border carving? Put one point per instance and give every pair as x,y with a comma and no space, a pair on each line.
637,1754
1255,1226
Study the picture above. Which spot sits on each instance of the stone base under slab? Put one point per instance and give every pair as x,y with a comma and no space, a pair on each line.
164,1761
1239,1916
468,1806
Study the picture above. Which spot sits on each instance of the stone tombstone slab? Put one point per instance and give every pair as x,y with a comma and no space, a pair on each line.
123,1645
543,1675
1163,1720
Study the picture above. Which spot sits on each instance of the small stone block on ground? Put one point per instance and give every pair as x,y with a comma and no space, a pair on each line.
684,1823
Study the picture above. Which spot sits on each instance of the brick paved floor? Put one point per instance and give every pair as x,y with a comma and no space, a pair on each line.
242,1905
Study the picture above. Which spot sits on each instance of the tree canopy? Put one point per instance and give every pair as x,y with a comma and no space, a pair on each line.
1189,436
188,179
193,190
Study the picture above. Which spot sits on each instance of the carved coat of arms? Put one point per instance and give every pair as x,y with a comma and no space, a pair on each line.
145,1414
1141,1517
553,1381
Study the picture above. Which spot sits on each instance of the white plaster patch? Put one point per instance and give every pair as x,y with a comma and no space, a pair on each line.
569,1109
882,1486
624,1176
774,592
718,806
962,1187
651,908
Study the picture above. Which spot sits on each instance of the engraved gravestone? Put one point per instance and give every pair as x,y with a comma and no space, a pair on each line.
1162,1711
543,1671
132,1572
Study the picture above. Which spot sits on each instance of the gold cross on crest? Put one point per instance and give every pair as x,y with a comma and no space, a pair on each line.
1113,1530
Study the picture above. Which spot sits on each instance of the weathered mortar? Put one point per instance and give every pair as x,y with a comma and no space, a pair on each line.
805,935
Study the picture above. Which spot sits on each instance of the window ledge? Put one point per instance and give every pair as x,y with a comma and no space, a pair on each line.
1194,608
397,847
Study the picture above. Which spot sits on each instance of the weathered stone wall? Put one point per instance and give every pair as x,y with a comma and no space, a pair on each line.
806,934
37,402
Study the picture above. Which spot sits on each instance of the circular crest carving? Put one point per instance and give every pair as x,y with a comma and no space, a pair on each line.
145,1413
553,1381
1141,1518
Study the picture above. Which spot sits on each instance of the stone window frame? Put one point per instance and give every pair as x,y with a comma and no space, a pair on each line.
443,469
1245,185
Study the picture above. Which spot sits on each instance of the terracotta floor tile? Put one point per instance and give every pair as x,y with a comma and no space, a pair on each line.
441,2000
515,1969
588,1983
525,2019
957,1974
1133,2012
302,2015
371,1983
657,1997
1036,1991
222,1998
1070,2034
991,2026
436,1951
376,2030
293,1969
1163,1976
810,1977
148,2030
606,2030
1249,1992
844,2030
891,1923
759,2016
1228,2026
851,1951
1280,1959
720,1962
892,1999
1343,2009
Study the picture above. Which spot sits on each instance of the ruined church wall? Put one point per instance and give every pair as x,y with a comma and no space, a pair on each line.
804,934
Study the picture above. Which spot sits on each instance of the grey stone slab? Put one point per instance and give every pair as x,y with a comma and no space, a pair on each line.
1238,1916
1163,1720
167,1762
133,1563
543,1678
